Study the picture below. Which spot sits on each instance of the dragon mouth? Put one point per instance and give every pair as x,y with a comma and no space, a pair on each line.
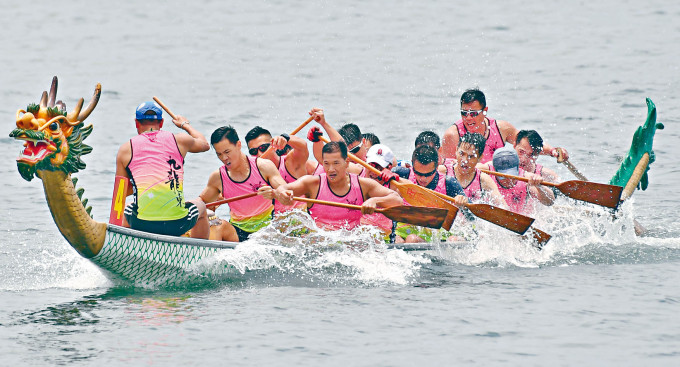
35,150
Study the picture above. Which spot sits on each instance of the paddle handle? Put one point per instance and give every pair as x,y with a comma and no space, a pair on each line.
297,130
574,171
235,198
332,203
164,107
518,178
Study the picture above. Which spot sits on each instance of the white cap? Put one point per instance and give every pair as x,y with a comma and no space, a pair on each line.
380,154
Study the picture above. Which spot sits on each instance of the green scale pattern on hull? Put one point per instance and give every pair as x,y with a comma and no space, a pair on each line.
153,260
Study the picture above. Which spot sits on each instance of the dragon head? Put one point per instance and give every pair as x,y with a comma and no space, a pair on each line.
53,138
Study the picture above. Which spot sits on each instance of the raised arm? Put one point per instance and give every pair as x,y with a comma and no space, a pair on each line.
296,160
195,142
449,143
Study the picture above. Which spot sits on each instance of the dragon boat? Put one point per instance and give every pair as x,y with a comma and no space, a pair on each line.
53,151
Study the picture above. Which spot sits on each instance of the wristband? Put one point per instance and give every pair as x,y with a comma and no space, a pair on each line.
182,124
286,136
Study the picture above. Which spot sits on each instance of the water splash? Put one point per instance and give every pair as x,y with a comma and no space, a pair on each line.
581,234
313,256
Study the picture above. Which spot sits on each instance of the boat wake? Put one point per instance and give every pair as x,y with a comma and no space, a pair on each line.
294,252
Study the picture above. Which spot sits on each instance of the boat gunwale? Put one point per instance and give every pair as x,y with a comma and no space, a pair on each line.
423,246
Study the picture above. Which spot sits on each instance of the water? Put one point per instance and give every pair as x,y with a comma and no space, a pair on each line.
578,72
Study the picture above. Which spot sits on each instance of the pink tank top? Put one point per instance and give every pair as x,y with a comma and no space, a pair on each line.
515,197
319,170
493,142
378,220
539,169
288,177
331,217
157,175
363,173
441,184
448,163
248,214
474,189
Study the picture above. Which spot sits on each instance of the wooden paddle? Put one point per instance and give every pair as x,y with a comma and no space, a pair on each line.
164,107
235,198
515,222
297,130
415,215
573,170
591,192
541,237
412,193
512,221
639,228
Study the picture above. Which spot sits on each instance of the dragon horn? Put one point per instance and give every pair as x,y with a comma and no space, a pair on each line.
61,105
73,115
53,92
93,103
43,100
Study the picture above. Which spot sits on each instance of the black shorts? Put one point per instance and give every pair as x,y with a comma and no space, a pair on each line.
176,227
242,235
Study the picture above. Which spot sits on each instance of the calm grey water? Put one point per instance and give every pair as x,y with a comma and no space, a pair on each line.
576,71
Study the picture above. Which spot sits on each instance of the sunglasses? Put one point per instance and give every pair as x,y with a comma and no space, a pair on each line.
471,113
355,150
427,174
262,148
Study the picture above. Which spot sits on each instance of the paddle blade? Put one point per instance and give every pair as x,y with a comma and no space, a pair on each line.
417,215
592,192
541,237
420,196
517,223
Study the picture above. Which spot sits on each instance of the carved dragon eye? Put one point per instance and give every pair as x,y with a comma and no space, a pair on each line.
54,126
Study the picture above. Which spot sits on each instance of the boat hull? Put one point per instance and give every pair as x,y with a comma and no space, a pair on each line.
148,259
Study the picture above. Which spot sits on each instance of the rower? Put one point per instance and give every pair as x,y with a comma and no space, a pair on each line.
516,193
337,185
291,165
154,162
424,173
475,183
241,174
432,139
350,131
380,157
529,146
370,140
473,110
